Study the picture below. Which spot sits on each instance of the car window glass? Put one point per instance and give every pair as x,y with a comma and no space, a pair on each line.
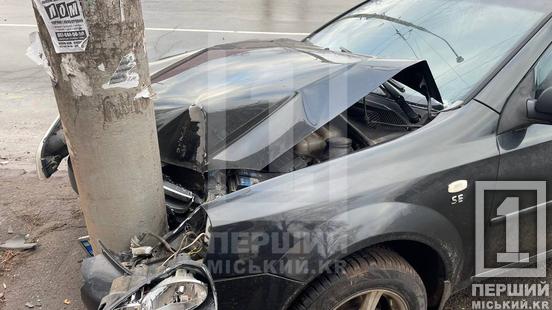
462,40
533,84
543,73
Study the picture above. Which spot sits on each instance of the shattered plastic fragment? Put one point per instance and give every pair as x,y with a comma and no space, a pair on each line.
125,75
85,243
142,251
17,243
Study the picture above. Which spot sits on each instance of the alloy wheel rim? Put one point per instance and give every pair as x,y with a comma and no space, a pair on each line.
373,299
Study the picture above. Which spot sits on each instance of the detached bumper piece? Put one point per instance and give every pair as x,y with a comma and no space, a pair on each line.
184,284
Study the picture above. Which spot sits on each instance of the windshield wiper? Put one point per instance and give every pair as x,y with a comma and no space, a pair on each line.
459,58
390,87
397,85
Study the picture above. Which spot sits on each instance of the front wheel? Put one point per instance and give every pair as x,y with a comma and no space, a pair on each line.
375,279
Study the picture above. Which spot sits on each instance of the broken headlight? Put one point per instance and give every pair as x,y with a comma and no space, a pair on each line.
181,291
187,285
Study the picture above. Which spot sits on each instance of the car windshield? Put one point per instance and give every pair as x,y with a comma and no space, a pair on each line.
462,40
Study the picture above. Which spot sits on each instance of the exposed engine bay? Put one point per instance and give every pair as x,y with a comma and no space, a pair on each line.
376,119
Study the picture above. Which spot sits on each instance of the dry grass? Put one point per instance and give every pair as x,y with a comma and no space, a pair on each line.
31,219
6,260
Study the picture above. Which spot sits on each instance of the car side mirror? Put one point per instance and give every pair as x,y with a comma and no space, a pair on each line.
541,108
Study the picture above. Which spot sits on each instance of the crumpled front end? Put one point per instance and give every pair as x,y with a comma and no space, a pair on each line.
231,117
185,285
244,105
157,273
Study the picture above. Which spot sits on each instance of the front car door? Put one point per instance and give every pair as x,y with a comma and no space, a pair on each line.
526,155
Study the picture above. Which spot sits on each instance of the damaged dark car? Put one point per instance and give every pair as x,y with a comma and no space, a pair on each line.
337,172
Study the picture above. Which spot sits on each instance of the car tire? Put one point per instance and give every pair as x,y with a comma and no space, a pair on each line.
363,277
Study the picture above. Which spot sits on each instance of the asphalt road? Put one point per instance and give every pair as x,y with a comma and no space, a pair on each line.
48,210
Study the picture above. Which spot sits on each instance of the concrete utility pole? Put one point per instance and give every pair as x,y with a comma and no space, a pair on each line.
103,99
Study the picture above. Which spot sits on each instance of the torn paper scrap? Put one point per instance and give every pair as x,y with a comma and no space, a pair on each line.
66,24
143,94
125,75
36,54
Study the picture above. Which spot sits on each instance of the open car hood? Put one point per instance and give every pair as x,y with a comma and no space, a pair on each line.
243,105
